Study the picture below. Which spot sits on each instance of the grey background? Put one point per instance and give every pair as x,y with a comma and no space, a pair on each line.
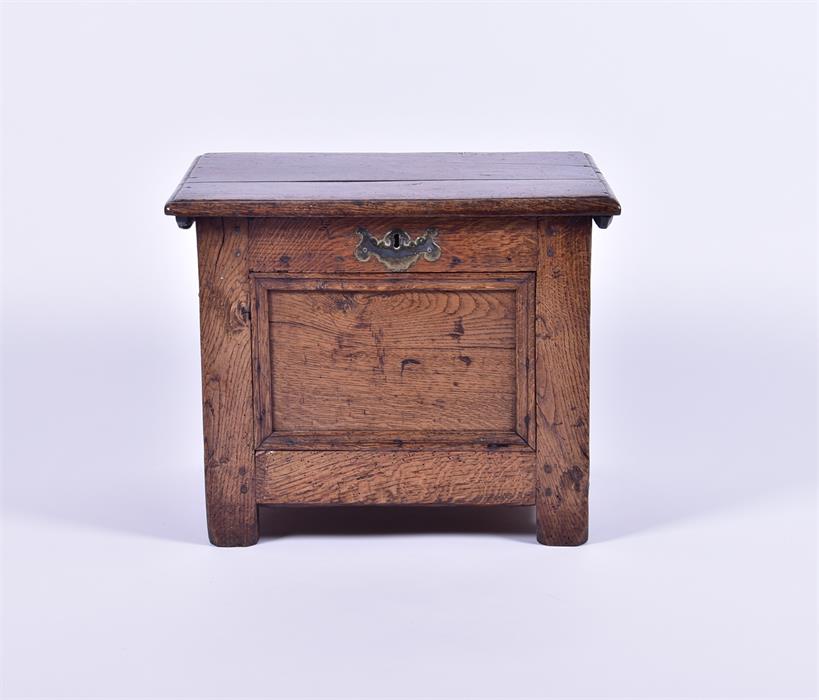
699,579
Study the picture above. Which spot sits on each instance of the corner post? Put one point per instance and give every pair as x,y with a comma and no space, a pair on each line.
227,387
562,379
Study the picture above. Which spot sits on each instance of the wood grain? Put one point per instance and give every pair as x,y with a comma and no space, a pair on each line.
455,184
562,380
458,198
378,387
365,167
451,319
494,244
382,478
224,302
394,358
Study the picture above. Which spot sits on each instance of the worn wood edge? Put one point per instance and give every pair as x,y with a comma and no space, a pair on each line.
347,478
401,281
262,380
570,206
521,350
394,441
605,184
179,187
524,360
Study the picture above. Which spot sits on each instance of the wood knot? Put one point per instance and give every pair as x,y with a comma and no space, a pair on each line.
240,314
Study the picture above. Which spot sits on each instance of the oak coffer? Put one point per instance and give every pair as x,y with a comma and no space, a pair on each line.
390,329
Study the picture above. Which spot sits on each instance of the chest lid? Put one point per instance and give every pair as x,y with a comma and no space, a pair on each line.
384,184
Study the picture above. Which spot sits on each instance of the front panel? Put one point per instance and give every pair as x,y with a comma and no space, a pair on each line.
410,361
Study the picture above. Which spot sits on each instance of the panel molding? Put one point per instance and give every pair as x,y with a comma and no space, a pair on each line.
522,438
407,441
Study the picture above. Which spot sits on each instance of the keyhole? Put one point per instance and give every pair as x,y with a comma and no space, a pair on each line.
396,241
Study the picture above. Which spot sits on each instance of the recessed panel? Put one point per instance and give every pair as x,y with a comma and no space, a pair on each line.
392,361
410,361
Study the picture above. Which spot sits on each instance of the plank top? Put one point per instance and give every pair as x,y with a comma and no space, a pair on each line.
407,184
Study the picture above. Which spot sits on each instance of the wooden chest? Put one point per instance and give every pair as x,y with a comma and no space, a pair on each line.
395,329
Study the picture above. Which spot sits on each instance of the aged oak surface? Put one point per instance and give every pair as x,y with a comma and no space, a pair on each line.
492,244
224,307
433,478
413,355
562,340
330,379
401,184
359,361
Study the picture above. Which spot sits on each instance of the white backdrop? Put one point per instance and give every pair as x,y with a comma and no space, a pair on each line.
700,575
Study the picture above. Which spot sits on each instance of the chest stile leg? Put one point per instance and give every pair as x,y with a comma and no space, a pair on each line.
227,396
562,380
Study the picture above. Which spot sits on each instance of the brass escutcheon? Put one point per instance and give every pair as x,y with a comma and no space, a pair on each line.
397,251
